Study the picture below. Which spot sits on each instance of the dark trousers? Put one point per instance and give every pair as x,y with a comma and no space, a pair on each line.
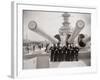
55,57
52,56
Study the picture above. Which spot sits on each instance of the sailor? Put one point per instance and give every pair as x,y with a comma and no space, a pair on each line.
72,51
59,52
76,53
55,53
52,53
64,53
68,53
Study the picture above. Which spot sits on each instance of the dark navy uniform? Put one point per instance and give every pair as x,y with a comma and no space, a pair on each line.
76,53
55,54
59,54
72,54
52,54
68,54
64,53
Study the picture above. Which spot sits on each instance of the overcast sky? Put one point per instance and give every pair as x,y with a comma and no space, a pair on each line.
50,22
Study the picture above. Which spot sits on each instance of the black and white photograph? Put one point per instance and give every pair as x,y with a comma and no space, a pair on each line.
54,39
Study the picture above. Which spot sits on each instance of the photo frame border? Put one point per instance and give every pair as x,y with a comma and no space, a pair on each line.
16,41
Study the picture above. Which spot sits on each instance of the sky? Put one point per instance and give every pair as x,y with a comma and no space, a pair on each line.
50,22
